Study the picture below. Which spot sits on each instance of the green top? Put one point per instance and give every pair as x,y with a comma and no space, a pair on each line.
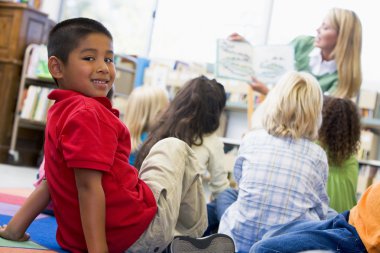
341,184
303,45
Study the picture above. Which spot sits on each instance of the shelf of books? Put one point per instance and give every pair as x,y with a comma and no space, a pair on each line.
32,102
368,102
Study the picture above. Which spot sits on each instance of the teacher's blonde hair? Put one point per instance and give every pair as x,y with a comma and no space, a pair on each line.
347,51
293,108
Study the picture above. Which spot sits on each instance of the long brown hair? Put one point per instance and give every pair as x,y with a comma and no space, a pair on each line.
194,111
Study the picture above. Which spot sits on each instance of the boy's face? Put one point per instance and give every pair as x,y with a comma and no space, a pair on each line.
90,68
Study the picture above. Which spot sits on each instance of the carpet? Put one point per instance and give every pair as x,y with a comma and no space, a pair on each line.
42,230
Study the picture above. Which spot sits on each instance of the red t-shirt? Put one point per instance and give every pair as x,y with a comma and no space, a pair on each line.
84,132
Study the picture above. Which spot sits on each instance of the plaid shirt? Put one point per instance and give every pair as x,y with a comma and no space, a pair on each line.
280,180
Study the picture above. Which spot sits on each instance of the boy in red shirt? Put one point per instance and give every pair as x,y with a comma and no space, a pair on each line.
100,203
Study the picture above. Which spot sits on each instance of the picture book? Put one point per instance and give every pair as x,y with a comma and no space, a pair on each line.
240,60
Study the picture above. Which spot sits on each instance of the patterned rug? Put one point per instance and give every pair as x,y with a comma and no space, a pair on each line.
42,230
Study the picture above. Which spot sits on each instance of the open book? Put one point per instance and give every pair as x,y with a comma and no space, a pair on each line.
240,61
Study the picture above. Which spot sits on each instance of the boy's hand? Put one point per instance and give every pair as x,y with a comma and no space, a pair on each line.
6,234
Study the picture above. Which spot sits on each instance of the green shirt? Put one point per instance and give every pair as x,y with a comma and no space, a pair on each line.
341,184
303,45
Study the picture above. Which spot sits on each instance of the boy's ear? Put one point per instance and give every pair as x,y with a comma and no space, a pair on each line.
55,66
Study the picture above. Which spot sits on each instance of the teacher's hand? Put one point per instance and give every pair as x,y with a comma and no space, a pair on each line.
236,37
258,86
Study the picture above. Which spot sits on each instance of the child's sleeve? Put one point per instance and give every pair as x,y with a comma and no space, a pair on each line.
87,141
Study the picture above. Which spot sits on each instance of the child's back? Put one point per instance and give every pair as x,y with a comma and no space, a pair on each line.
280,171
92,137
193,117
339,135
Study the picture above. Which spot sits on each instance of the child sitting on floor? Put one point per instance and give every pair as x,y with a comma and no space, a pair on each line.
99,201
193,116
280,171
357,230
339,136
144,106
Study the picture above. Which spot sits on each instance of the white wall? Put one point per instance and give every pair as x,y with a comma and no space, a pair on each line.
187,30
53,8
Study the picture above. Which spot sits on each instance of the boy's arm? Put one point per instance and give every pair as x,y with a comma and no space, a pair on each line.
33,206
92,208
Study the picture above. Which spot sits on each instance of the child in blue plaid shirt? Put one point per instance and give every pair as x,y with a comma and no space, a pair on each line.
280,171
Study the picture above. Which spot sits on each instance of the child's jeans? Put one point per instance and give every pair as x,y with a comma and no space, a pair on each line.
334,234
217,207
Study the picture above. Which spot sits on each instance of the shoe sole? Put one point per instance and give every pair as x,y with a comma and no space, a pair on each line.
210,244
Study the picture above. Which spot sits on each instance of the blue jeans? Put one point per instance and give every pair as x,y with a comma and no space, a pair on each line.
334,234
216,208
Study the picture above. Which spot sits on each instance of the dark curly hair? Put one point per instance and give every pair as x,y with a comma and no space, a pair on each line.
339,134
194,111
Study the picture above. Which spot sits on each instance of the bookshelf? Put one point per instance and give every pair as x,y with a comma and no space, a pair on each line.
32,97
20,25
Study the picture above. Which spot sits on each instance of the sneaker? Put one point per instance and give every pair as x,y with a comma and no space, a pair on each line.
211,244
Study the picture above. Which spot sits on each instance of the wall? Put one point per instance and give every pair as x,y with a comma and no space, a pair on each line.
53,8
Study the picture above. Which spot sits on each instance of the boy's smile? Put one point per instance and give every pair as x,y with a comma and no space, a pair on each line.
90,68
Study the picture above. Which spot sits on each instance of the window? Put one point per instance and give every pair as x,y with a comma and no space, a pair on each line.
187,30
129,21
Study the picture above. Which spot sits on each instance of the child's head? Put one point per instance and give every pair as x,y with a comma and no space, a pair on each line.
340,130
293,107
144,106
81,55
194,112
197,107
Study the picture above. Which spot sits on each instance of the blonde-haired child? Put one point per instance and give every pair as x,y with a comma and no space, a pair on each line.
280,171
144,106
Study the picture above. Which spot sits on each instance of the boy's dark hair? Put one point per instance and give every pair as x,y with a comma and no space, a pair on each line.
339,134
66,35
194,111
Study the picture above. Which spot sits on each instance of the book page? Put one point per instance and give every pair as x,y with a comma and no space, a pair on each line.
240,61
234,60
270,62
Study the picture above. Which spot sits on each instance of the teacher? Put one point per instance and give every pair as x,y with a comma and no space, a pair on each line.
332,57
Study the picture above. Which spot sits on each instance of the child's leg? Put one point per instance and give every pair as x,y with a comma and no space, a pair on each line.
224,200
172,172
334,234
217,207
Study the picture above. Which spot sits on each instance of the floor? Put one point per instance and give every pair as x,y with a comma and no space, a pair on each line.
16,177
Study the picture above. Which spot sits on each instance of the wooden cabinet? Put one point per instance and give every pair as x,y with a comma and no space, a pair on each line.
20,26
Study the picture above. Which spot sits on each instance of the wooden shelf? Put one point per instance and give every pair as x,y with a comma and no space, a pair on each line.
32,124
371,123
236,106
375,163
43,82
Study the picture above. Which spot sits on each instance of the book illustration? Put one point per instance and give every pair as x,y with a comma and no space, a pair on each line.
234,60
240,60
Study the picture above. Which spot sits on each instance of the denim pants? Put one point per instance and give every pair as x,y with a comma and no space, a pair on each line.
333,235
216,208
